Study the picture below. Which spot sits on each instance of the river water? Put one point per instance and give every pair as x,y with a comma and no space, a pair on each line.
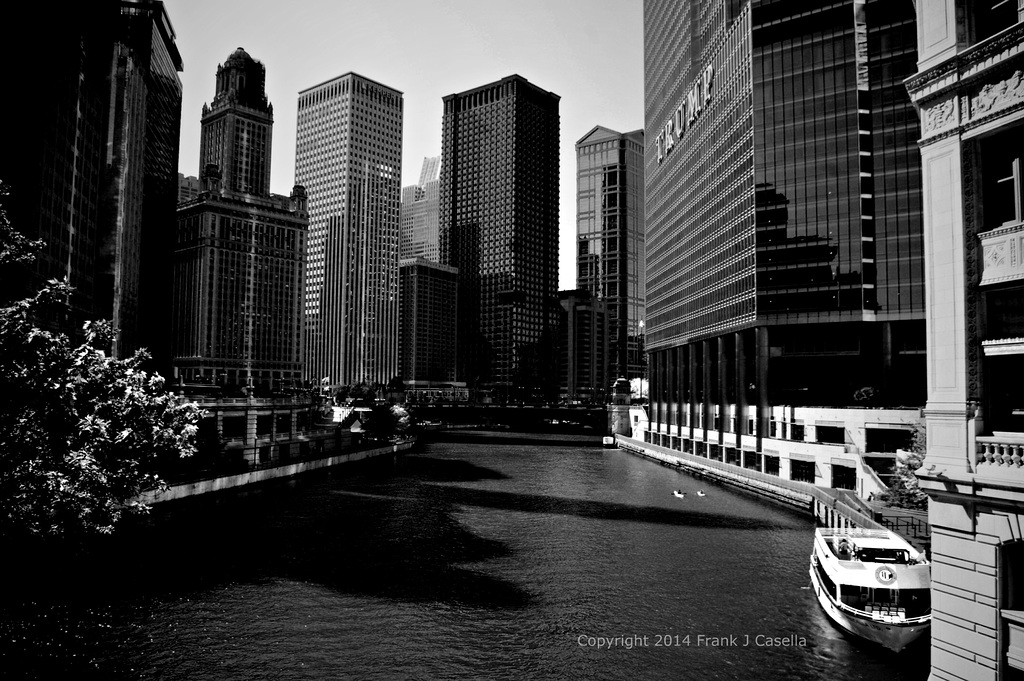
543,558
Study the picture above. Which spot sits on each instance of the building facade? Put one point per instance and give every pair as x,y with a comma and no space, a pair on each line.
188,187
610,237
420,203
348,156
784,236
429,294
969,89
237,127
499,228
93,166
239,256
585,339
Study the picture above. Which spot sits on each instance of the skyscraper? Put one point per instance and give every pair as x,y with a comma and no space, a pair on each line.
93,164
429,300
584,343
420,214
969,89
237,127
610,238
348,156
784,233
239,256
499,227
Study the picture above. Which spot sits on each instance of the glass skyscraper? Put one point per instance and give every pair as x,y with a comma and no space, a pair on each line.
348,156
784,243
610,239
499,228
420,204
92,165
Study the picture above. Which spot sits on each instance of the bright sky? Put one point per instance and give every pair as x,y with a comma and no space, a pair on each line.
589,52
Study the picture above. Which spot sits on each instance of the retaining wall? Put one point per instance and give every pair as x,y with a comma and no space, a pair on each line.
252,477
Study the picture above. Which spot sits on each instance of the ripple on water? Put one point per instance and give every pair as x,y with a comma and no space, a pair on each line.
466,561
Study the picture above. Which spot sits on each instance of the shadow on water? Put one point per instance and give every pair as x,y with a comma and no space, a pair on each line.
447,470
400,542
596,510
530,439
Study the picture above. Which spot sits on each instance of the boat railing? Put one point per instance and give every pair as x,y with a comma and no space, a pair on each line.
882,616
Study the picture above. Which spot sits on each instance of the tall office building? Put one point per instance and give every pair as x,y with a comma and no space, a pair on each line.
239,256
348,156
188,187
429,301
92,164
610,237
420,204
499,228
784,234
585,339
969,89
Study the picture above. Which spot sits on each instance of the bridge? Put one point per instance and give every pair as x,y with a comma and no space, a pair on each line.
526,416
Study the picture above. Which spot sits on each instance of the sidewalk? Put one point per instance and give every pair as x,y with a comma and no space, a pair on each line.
912,525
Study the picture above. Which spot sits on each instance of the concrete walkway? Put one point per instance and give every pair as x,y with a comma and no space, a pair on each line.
911,525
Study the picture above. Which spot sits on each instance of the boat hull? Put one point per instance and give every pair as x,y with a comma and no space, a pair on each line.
894,636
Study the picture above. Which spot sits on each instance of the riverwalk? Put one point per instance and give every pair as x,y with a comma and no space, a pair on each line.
208,485
832,508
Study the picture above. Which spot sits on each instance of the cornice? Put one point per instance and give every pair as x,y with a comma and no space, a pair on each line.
970,65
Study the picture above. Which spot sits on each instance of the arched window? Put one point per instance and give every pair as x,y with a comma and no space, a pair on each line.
1011,597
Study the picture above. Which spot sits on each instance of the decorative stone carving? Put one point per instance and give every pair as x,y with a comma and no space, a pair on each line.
994,97
1003,257
972,263
938,117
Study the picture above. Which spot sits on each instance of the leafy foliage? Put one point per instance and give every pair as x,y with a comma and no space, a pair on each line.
905,491
81,433
387,422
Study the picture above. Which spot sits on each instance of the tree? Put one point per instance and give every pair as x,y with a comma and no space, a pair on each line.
81,433
386,422
905,491
362,394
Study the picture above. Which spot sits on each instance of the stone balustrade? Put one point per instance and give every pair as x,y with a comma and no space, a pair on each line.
1000,451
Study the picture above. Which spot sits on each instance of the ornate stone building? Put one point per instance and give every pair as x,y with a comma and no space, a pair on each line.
239,256
969,90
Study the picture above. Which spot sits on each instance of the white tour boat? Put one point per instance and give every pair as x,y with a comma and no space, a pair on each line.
873,584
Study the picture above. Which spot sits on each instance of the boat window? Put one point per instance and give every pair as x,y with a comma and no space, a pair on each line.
884,556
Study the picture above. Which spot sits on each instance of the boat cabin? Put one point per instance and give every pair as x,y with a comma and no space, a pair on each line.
866,584
867,551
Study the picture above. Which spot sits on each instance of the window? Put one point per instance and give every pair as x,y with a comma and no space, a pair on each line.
833,435
234,427
844,477
1001,175
887,439
992,16
801,471
1011,581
